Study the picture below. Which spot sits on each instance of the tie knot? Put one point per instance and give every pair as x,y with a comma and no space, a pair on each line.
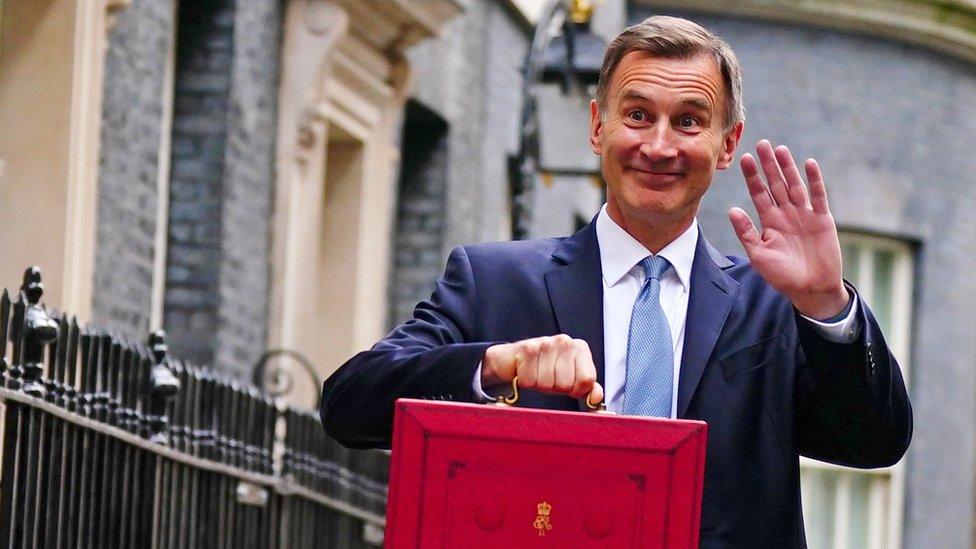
654,266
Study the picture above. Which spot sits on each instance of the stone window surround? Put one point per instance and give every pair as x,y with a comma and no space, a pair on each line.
344,82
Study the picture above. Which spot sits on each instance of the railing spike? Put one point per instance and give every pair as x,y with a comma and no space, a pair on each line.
162,386
39,330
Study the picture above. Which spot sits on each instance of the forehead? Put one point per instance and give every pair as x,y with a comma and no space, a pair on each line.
642,74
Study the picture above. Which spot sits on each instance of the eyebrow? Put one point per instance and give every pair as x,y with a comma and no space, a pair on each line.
695,102
634,94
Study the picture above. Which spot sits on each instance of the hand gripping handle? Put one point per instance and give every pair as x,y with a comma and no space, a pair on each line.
512,399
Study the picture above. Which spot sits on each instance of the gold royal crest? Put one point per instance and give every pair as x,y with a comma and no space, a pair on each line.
542,520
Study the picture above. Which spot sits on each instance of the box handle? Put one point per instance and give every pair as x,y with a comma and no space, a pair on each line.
512,399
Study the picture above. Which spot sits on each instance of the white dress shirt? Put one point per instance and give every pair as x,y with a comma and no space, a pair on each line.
623,277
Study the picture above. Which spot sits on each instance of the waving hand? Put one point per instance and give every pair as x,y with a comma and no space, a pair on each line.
797,252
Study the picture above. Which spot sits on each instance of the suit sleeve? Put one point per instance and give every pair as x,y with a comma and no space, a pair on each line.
852,406
429,357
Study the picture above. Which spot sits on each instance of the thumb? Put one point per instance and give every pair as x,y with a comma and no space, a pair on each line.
745,230
596,394
499,364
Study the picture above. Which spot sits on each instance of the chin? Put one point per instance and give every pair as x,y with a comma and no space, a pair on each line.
657,209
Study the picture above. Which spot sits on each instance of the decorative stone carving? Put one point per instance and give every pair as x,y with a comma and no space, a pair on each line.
344,80
112,9
310,118
322,24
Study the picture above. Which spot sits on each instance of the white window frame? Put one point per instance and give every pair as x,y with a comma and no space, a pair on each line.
887,492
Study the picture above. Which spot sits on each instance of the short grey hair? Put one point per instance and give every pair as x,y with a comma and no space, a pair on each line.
676,38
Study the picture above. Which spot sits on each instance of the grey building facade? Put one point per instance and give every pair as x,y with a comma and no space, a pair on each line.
194,116
468,82
134,114
191,96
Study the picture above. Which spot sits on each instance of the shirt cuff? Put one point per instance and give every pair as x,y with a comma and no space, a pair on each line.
845,329
479,394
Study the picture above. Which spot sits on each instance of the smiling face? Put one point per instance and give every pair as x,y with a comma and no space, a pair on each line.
661,137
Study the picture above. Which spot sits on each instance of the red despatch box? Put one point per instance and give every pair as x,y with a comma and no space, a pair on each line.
473,475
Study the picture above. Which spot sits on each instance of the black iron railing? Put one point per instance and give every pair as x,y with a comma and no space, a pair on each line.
104,443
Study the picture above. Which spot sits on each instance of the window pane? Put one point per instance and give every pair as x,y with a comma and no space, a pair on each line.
860,509
852,262
869,499
884,266
819,487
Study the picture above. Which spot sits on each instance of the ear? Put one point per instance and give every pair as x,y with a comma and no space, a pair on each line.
728,146
596,128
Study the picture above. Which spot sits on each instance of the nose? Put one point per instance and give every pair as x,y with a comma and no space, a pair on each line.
658,142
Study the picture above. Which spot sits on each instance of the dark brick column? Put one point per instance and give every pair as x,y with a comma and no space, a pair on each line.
204,57
132,111
248,185
224,130
419,231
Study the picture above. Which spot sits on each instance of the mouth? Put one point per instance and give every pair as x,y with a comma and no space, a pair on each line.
659,176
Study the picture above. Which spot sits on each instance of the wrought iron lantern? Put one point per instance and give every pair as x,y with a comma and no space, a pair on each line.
561,69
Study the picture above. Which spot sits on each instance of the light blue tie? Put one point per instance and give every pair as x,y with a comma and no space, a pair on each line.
650,357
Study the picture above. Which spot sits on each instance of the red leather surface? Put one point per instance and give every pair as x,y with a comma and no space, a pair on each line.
469,476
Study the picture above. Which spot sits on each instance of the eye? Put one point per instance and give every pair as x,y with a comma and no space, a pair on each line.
637,116
687,121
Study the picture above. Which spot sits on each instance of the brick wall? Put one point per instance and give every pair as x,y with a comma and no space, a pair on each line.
471,77
222,177
419,231
204,60
248,184
129,166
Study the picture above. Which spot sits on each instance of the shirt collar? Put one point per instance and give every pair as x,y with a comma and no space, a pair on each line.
620,252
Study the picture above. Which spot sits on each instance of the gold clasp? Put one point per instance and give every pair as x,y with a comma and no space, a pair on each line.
600,408
511,399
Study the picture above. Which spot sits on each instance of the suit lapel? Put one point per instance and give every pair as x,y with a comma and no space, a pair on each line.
575,289
711,297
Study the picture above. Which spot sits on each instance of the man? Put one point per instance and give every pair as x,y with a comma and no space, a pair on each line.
776,353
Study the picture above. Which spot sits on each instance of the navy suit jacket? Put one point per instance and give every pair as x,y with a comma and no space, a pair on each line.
769,387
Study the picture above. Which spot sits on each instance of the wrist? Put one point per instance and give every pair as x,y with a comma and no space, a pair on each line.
489,373
825,305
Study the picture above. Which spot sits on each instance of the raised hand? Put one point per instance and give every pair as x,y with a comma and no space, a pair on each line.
552,364
797,252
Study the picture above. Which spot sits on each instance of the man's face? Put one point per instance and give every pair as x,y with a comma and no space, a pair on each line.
661,138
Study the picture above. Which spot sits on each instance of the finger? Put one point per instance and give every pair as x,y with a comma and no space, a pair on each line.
774,177
757,189
818,191
527,363
585,370
746,231
794,183
545,372
564,373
